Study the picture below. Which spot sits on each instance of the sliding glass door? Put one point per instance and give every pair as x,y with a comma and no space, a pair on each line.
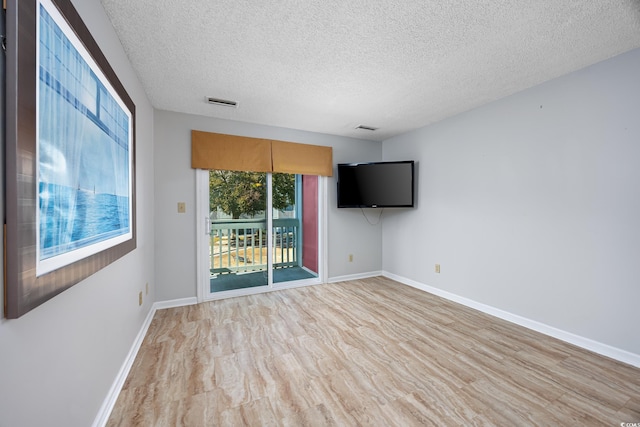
260,230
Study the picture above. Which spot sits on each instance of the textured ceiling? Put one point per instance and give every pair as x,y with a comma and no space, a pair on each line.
330,65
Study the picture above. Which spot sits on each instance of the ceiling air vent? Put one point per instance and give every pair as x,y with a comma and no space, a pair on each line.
363,127
222,102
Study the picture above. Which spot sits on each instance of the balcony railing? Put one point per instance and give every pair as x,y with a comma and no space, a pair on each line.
240,246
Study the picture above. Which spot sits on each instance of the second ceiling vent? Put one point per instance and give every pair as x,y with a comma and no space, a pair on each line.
222,102
364,127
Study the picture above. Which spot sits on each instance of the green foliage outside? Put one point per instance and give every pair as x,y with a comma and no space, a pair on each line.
237,193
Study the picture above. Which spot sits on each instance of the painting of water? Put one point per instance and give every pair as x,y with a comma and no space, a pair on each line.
84,154
75,218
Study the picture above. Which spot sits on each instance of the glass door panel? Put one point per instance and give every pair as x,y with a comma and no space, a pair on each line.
295,227
238,235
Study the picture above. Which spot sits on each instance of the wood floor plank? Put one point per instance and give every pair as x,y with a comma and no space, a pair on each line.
422,408
318,415
630,411
368,352
259,413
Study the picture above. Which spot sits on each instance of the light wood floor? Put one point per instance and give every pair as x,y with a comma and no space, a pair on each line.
371,352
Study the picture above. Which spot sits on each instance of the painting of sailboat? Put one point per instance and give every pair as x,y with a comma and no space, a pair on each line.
84,152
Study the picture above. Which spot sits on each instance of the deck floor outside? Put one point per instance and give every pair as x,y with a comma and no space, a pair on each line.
228,282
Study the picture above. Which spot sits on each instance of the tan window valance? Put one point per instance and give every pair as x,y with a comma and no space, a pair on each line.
229,152
240,153
289,157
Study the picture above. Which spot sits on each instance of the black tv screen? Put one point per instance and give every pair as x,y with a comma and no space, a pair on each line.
376,185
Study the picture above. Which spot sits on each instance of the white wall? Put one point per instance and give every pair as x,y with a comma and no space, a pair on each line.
531,204
175,182
58,361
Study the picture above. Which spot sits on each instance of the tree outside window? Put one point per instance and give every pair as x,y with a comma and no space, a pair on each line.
245,193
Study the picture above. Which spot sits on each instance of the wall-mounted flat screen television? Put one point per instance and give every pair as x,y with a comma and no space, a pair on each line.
376,185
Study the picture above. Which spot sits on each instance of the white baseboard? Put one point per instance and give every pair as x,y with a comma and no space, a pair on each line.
107,406
586,343
356,276
175,303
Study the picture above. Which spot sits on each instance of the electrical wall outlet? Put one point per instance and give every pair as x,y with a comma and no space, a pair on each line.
182,207
438,268
140,298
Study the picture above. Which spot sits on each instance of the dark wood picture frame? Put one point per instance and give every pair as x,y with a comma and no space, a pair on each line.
24,289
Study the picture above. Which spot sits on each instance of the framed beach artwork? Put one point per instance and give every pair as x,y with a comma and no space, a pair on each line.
70,161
